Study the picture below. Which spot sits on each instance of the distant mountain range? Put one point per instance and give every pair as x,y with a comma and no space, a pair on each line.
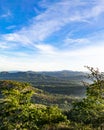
56,82
65,74
52,88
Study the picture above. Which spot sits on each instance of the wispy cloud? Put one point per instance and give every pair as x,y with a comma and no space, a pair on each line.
53,20
56,16
96,10
46,49
76,43
7,14
11,27
3,45
17,38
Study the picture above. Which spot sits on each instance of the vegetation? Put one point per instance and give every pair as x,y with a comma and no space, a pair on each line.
52,88
18,110
89,112
59,82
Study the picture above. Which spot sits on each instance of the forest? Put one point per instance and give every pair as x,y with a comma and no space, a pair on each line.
53,88
26,107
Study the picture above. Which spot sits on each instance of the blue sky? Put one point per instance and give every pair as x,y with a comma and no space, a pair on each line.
43,35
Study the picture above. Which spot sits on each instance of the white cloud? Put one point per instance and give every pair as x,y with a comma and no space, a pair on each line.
78,42
11,27
15,37
46,49
6,15
96,10
74,60
53,20
3,45
47,56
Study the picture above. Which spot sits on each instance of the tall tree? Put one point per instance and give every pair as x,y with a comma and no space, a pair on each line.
90,110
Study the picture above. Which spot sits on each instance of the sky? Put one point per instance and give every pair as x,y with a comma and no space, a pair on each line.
51,35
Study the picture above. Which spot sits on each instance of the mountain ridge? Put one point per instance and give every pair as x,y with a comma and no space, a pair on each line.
57,82
54,87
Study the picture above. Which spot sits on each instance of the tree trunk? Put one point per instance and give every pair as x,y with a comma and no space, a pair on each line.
101,128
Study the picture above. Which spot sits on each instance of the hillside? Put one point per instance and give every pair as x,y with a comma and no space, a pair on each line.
59,82
20,98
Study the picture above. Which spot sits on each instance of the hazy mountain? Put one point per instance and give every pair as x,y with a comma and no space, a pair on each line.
56,82
52,88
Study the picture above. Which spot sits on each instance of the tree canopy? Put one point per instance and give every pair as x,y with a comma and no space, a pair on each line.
90,110
17,112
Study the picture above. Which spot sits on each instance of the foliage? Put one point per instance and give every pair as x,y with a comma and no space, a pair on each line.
19,113
58,82
90,110
53,88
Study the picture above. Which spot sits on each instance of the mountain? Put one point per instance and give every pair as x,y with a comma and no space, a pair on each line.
56,82
65,74
52,88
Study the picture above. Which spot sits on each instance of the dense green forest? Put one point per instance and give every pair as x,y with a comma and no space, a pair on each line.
59,82
53,88
19,109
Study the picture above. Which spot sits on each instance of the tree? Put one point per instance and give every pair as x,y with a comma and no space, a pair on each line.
17,112
14,104
90,110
